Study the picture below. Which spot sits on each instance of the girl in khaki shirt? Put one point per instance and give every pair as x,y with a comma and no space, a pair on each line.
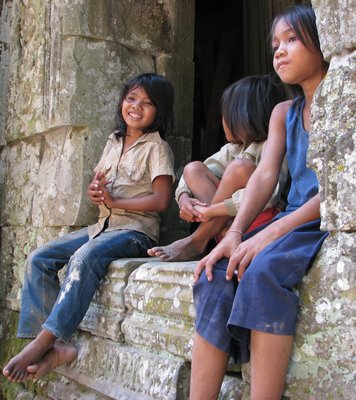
132,183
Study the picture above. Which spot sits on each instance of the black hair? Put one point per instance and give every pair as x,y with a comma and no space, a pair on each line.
160,91
301,18
248,103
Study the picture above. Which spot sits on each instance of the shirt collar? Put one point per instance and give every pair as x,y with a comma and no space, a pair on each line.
147,137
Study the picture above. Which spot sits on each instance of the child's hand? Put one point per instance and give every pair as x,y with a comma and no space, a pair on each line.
96,188
248,250
187,210
225,248
204,213
108,199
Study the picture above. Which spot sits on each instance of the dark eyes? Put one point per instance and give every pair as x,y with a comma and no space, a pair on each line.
290,39
134,100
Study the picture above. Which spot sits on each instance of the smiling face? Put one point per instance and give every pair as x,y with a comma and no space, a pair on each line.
138,111
294,62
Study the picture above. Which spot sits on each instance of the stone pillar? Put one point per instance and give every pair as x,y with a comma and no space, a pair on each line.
322,365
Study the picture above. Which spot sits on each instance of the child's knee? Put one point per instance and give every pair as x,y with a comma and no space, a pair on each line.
241,169
193,168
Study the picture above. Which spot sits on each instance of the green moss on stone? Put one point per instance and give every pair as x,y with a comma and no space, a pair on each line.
11,346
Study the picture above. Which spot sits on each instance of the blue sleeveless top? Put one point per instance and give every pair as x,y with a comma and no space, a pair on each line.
304,182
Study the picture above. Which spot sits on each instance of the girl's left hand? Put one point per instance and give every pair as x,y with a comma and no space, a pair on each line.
108,199
203,212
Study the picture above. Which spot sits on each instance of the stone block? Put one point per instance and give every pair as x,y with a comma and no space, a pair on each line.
121,372
86,80
16,244
161,310
159,334
5,17
163,289
22,165
64,77
336,26
149,27
107,309
47,179
27,84
66,168
321,366
332,144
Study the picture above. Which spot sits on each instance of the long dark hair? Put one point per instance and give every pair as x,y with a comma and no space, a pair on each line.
161,93
248,103
301,18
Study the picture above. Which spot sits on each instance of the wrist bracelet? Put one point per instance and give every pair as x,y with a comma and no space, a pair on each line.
235,230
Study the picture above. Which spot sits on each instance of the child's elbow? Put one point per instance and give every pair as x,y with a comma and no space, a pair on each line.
163,206
163,203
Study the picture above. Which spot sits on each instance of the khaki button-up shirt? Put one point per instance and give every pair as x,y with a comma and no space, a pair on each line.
131,175
218,162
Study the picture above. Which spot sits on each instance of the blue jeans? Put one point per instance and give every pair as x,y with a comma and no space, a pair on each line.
60,309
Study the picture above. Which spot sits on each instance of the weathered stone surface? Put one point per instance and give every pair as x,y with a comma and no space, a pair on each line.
87,85
147,28
16,244
321,365
47,179
332,144
66,169
159,298
4,64
20,182
232,388
336,25
108,308
121,372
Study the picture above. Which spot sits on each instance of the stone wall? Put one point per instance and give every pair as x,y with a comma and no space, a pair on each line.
60,87
61,68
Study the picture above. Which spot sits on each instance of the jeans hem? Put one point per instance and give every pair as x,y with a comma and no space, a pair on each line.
57,334
26,335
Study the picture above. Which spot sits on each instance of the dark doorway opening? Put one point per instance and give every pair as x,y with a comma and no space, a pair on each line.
230,43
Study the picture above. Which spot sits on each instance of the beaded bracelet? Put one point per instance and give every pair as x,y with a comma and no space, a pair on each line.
235,230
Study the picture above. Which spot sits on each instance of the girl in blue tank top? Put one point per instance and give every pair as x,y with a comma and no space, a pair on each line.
245,303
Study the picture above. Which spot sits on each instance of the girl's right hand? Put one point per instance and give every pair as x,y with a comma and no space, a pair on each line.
96,188
187,211
225,248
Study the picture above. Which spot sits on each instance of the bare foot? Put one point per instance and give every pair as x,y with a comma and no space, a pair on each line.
181,250
60,353
16,368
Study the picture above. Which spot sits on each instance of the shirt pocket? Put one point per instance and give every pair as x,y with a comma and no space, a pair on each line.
133,172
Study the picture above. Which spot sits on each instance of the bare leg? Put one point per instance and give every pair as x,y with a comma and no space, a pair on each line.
193,246
201,181
270,356
60,353
16,369
208,370
235,177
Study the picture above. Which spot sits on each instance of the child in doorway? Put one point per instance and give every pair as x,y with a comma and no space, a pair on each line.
211,192
245,303
132,184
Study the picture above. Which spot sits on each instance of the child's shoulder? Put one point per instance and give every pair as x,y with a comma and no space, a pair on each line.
283,107
279,112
